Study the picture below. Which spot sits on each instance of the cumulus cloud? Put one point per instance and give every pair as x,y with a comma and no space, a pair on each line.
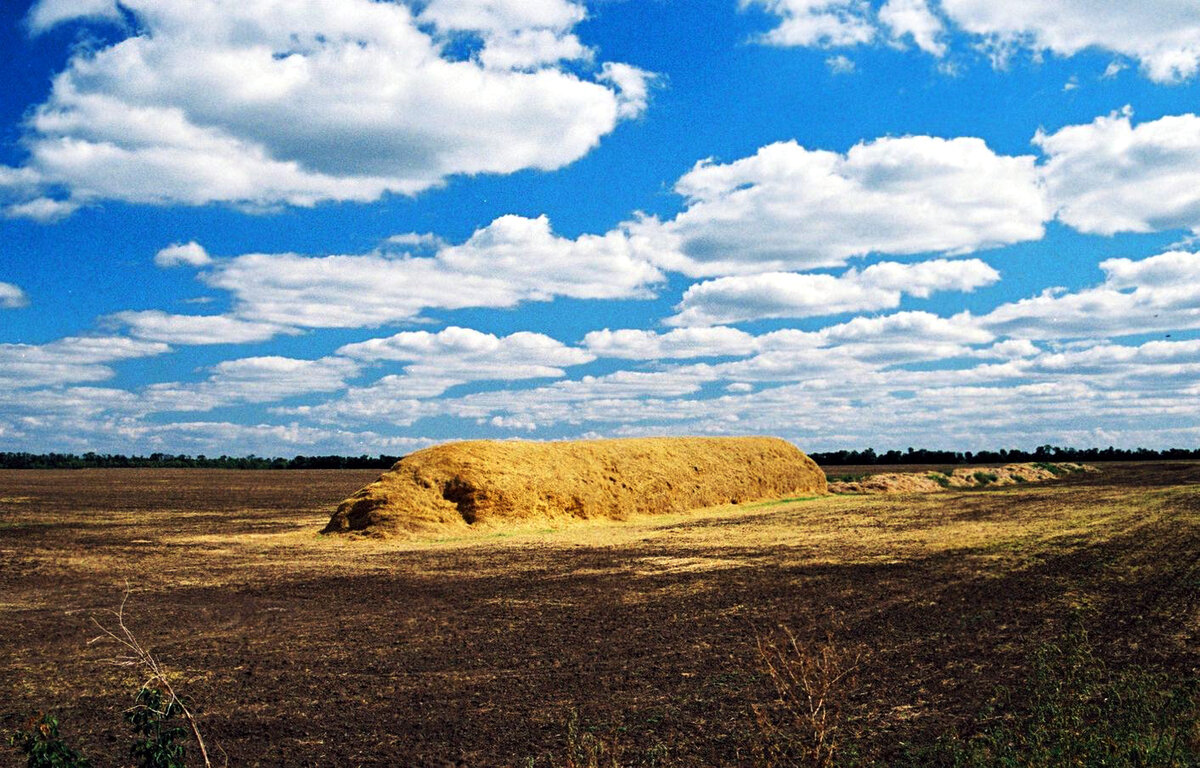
69,360
514,34
840,64
435,362
622,396
791,208
464,354
512,260
190,254
194,329
1110,176
79,419
1153,295
817,22
252,380
12,297
49,13
273,102
219,437
681,343
912,19
1163,35
42,209
787,294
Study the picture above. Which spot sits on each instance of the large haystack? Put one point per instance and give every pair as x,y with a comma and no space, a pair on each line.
459,485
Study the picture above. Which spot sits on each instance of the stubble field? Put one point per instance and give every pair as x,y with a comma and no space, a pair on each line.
307,650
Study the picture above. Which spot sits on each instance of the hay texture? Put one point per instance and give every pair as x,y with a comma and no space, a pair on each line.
963,477
482,482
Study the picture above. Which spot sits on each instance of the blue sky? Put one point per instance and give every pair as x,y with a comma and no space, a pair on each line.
350,226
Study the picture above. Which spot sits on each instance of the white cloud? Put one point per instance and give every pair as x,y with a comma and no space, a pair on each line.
394,400
464,354
274,102
817,22
632,85
191,254
533,260
437,362
42,209
510,261
790,208
82,419
680,343
840,64
252,380
914,19
271,439
904,326
49,13
515,34
1163,35
1154,295
902,337
624,396
1109,176
69,360
12,297
195,329
1114,68
416,240
785,294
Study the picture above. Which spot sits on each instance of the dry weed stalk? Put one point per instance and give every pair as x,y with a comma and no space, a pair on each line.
811,685
138,657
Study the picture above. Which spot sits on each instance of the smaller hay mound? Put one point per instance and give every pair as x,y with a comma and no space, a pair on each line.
460,485
963,477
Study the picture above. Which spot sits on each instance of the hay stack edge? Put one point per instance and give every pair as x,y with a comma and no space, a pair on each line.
483,483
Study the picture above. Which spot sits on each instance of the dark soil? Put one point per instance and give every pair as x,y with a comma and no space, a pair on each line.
352,653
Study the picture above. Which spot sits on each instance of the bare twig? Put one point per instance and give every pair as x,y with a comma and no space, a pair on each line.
138,657
811,684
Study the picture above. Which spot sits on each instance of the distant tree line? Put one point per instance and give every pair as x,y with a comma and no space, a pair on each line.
170,461
1041,453
830,459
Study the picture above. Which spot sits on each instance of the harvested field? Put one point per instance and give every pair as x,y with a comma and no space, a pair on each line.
309,650
962,477
455,486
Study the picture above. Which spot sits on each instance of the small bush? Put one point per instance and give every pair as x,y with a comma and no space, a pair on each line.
44,747
939,478
151,718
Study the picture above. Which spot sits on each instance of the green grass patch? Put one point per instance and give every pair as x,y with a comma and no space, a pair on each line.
940,478
854,478
1073,710
777,502
1053,469
985,478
